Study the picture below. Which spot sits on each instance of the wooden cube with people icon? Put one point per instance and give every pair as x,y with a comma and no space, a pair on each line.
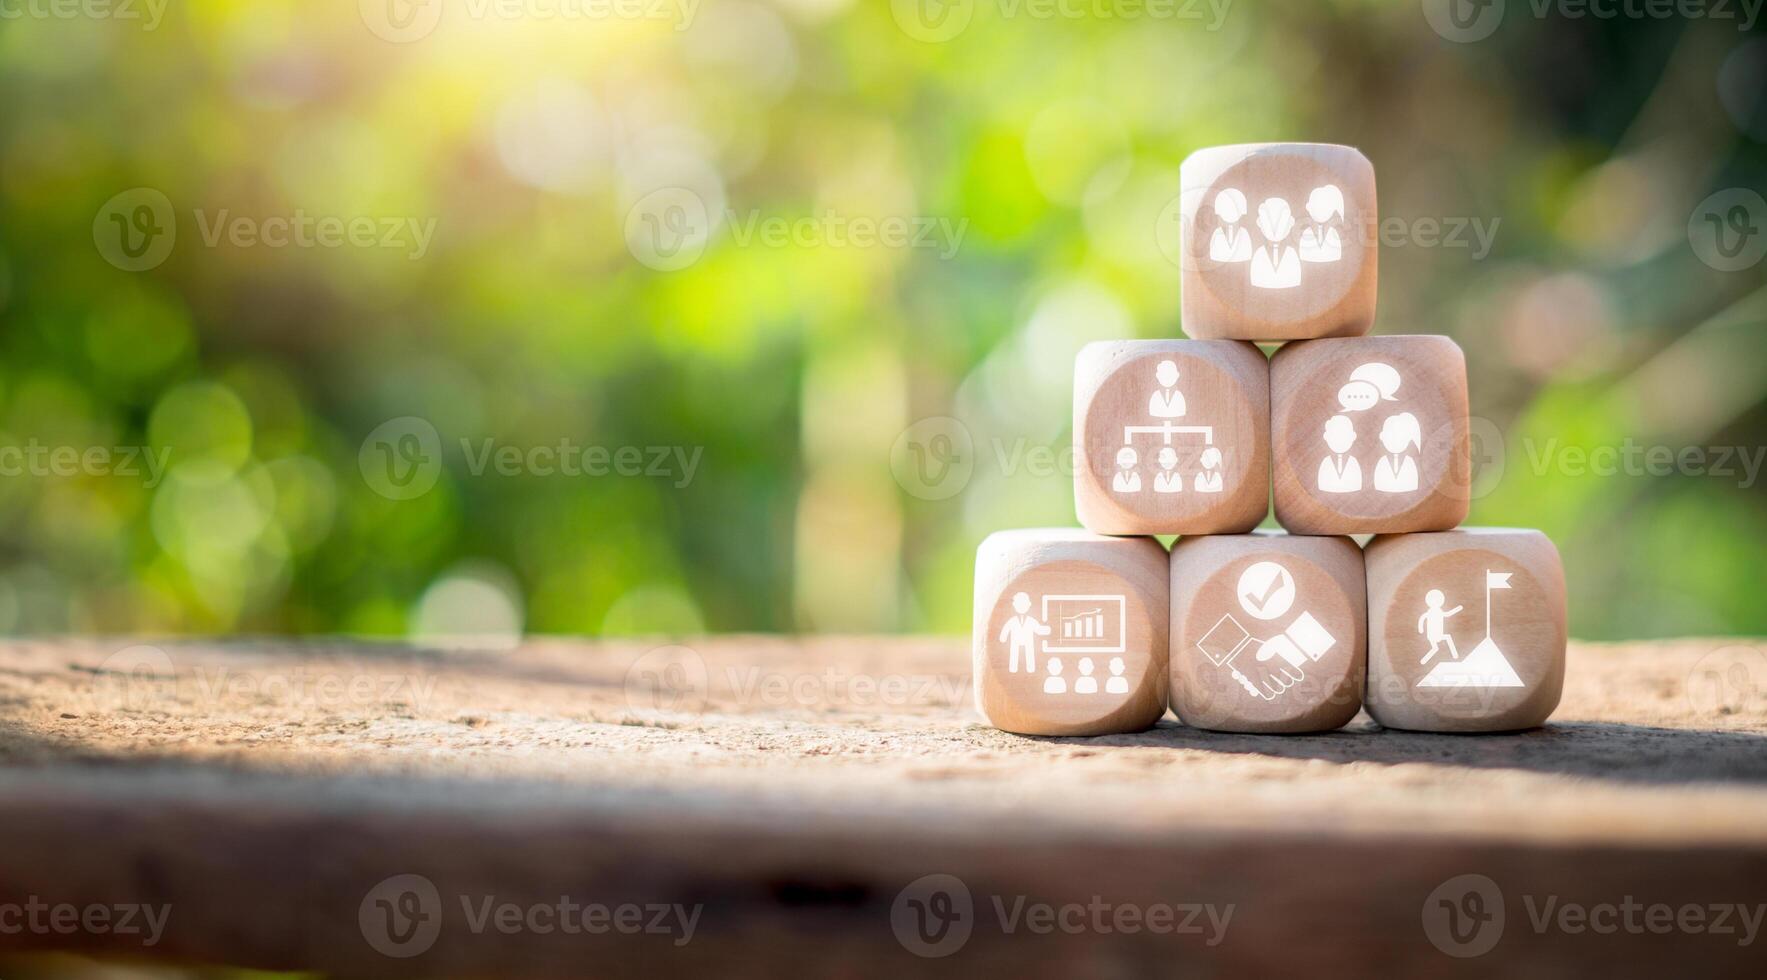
1278,242
1171,436
1070,632
1370,435
1268,632
1466,630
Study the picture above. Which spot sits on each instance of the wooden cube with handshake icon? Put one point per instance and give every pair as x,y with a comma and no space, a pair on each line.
1267,632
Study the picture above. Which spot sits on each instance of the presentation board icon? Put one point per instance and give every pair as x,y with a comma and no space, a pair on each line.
1085,623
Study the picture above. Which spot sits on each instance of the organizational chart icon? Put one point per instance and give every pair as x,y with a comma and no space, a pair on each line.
1165,405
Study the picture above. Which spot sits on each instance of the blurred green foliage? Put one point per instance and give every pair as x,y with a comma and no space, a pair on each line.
1036,155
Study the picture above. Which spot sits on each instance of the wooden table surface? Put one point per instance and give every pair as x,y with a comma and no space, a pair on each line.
791,796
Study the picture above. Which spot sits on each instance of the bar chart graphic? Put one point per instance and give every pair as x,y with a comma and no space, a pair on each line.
1085,623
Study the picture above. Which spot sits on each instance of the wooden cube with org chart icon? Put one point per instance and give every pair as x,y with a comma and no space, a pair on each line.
1171,436
1070,632
1268,632
1279,242
1370,435
1466,630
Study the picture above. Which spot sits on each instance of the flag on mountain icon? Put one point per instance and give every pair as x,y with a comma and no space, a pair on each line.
1485,666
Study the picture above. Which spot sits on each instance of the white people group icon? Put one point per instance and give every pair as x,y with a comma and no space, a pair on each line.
1276,264
1166,406
1400,435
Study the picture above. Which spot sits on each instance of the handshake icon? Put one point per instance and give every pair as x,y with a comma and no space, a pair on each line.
1266,668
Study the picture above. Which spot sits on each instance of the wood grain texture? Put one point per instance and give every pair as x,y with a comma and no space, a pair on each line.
1309,384
1328,585
794,788
1327,298
1527,630
1038,564
1220,387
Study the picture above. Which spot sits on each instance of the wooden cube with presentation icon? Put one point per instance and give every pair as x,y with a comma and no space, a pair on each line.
1279,242
1466,630
1171,436
1268,632
1370,435
1070,632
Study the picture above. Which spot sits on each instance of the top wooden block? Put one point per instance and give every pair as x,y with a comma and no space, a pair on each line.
1279,242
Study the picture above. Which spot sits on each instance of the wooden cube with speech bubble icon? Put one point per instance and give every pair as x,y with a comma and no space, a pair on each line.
1268,632
1070,632
1370,435
1466,630
1171,436
1278,242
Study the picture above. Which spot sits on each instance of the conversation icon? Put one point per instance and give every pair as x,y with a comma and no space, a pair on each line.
1369,384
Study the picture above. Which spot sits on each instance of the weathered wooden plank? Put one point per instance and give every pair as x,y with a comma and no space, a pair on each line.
785,794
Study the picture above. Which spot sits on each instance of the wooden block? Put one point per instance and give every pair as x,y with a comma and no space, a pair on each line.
1279,242
1370,435
1171,436
1268,632
1466,630
1070,632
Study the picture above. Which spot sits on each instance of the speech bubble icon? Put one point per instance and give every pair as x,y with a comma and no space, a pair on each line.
1384,377
1358,395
